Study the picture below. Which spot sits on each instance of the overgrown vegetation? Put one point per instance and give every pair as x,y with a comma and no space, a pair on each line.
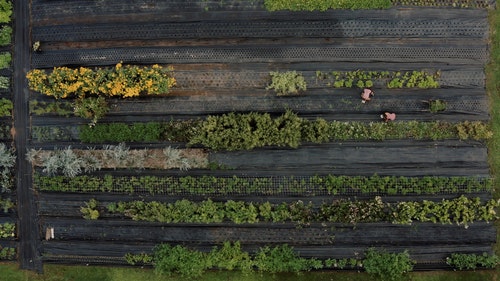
121,81
312,186
461,211
235,131
7,162
287,83
91,108
169,259
472,261
387,266
323,5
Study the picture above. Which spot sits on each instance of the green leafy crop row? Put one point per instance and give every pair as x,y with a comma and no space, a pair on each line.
461,210
392,79
247,131
168,259
315,185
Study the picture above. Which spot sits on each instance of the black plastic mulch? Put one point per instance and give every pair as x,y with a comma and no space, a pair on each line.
240,35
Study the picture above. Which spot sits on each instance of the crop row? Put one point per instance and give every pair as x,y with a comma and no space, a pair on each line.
461,210
72,162
168,259
311,186
323,5
236,131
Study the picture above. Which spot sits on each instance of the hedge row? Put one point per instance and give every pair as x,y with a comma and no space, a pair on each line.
315,185
461,210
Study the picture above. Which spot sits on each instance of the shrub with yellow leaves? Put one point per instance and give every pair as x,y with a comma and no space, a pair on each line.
119,81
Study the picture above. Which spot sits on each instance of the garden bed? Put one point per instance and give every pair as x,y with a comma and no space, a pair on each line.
224,66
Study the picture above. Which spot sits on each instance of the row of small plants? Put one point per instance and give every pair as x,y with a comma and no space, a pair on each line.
72,162
293,82
461,210
178,259
236,131
311,186
323,5
7,230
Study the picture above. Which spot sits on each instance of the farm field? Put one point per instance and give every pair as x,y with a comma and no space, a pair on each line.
218,156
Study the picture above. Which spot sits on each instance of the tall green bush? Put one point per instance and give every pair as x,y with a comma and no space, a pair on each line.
246,131
387,266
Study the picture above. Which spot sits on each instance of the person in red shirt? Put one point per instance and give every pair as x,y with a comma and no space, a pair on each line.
388,116
366,95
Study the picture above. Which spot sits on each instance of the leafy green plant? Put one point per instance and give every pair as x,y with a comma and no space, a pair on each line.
91,108
120,132
472,261
179,259
6,107
6,205
5,11
7,230
89,211
436,106
287,83
387,266
5,58
7,253
7,162
283,259
5,34
4,82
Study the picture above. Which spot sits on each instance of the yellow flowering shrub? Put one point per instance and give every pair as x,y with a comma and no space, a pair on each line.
119,81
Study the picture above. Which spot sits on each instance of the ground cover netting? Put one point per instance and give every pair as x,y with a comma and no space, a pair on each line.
223,66
463,23
337,53
232,185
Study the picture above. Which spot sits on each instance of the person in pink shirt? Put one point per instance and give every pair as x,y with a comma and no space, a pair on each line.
387,116
366,95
